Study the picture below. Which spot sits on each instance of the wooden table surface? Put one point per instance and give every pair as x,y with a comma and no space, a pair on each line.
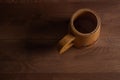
21,60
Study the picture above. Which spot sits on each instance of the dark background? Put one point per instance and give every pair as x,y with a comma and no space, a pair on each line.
30,31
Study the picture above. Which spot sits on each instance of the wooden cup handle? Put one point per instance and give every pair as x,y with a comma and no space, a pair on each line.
65,43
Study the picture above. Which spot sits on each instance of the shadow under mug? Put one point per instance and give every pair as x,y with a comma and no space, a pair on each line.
84,30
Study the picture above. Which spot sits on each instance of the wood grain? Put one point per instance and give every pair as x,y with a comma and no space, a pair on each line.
23,59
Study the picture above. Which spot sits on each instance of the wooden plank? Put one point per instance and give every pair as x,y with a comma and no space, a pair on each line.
17,55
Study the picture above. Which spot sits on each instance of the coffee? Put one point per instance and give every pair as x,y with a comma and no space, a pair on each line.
86,22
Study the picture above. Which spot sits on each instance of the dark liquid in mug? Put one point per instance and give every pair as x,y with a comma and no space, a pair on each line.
86,22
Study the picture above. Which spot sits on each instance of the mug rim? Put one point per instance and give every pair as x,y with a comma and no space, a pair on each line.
80,11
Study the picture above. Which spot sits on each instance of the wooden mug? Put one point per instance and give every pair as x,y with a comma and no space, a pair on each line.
84,30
